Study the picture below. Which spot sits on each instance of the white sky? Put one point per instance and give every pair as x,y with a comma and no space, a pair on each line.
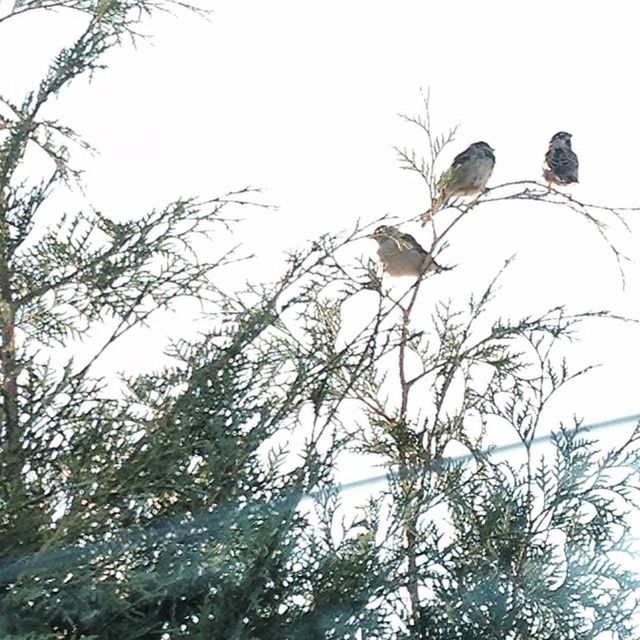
301,98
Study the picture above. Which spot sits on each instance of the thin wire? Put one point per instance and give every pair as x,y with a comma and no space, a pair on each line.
490,451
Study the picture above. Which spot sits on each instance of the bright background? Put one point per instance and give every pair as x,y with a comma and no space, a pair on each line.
301,98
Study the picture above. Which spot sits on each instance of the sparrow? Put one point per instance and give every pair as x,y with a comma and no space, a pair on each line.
467,175
402,255
560,162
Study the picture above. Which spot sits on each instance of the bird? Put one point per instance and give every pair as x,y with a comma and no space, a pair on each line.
467,175
560,161
402,255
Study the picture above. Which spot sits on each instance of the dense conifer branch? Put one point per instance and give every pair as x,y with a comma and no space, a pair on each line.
199,500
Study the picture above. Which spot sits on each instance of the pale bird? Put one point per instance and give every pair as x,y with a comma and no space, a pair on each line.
402,255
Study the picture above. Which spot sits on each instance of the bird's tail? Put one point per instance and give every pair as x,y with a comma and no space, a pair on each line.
436,204
434,267
438,268
440,200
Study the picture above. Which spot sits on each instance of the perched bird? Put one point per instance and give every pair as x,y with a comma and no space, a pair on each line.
467,175
560,162
402,255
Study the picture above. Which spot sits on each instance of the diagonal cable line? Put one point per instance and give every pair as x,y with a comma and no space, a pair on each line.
593,427
193,530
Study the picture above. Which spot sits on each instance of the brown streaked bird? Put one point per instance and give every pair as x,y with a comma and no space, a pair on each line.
560,162
468,175
402,255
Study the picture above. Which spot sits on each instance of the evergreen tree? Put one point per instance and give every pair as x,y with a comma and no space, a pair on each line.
200,502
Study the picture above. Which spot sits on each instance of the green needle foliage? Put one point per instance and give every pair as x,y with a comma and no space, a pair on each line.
198,501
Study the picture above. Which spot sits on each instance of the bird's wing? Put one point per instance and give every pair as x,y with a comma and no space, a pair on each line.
449,177
463,157
563,162
407,241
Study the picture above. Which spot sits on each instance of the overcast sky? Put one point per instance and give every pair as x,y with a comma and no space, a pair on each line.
301,99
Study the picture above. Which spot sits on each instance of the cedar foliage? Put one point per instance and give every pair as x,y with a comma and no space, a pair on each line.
179,508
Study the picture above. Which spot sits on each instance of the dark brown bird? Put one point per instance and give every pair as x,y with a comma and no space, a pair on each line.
560,161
